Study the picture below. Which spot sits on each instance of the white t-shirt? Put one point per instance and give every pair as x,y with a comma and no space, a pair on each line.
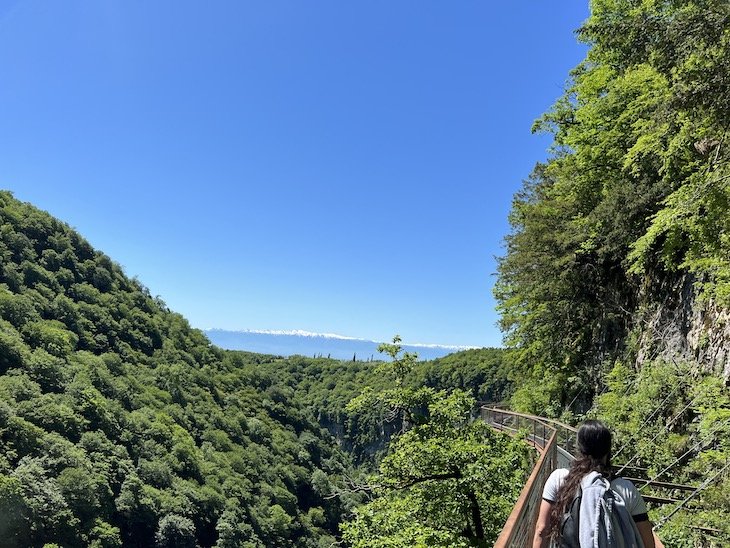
632,498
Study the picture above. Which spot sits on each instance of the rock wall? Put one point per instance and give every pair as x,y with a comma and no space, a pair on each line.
680,326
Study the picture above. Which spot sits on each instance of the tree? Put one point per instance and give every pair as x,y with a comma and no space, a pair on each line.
401,403
13,512
175,532
447,480
634,195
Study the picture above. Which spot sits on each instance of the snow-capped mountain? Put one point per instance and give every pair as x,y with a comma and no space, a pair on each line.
288,343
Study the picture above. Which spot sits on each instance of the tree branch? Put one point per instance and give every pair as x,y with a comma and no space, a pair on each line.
410,482
351,486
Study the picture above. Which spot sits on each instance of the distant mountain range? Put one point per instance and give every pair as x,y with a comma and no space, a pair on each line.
289,343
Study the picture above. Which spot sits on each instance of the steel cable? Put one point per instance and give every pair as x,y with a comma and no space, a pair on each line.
646,421
693,448
694,493
659,433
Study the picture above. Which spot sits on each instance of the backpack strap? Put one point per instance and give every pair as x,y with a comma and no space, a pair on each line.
570,525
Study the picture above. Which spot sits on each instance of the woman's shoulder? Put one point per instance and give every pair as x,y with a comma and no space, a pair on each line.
630,495
622,484
558,474
553,483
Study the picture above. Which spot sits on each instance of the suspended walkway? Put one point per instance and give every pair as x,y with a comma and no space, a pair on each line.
555,444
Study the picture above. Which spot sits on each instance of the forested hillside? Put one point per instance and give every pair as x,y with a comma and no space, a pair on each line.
615,286
121,425
326,386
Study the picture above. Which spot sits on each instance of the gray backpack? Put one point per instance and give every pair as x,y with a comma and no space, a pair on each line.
599,506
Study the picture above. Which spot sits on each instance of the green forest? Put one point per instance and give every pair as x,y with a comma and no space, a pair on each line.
120,425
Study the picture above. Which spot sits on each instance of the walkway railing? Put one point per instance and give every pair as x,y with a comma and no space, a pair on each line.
555,442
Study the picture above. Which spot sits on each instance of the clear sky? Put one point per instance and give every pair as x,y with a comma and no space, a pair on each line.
330,166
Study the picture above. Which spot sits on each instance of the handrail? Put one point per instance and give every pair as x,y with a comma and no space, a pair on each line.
488,407
520,525
555,443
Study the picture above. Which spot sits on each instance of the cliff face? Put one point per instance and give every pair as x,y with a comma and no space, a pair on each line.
683,326
669,410
709,338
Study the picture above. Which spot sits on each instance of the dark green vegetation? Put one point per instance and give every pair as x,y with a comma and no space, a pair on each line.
121,425
447,480
615,288
327,387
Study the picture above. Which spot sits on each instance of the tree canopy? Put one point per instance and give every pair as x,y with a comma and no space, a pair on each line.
620,247
633,198
122,425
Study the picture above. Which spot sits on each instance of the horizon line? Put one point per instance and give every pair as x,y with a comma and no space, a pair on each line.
303,333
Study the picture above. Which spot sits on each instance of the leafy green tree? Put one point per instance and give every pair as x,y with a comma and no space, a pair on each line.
16,309
13,519
80,488
631,203
393,408
447,480
45,512
104,535
13,350
52,336
175,532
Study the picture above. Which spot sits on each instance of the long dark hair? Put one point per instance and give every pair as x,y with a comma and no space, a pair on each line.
594,455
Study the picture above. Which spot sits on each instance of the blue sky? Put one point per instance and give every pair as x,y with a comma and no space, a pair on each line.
341,167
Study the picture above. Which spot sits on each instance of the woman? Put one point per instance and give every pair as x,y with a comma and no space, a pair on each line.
594,447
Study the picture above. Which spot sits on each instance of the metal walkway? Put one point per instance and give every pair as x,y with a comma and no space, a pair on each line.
554,441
